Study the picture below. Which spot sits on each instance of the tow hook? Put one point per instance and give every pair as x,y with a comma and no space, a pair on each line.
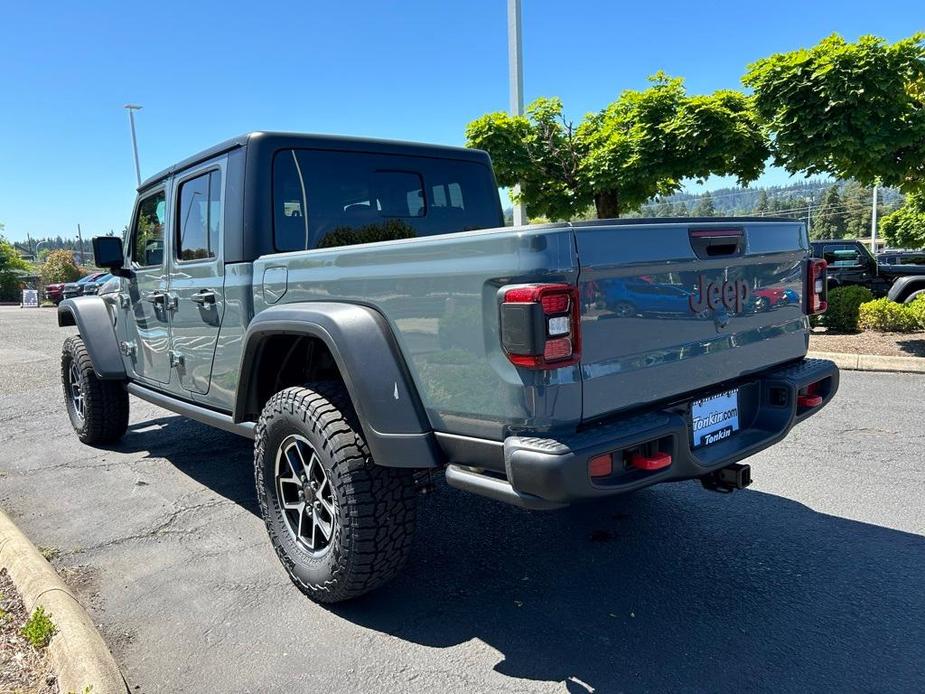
728,479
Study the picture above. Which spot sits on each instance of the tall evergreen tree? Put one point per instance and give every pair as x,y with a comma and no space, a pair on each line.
830,219
761,207
705,206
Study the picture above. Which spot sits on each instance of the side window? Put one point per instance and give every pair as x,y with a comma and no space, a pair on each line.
148,232
289,223
199,218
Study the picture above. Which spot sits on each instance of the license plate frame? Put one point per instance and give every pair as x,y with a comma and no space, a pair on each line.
714,418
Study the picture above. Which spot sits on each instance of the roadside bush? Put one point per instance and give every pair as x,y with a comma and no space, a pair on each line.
888,316
917,308
844,308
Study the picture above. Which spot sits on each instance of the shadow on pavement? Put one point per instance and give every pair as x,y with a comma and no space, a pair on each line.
221,461
672,588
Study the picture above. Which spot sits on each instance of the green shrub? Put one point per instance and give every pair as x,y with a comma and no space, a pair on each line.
917,308
844,306
39,629
888,316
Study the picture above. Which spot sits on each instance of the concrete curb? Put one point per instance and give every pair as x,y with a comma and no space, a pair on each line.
78,654
872,362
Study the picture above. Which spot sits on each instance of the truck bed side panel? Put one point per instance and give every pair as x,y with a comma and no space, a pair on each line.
439,295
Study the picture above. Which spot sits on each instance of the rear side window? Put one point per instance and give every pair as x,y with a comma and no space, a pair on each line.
841,255
148,232
327,198
199,218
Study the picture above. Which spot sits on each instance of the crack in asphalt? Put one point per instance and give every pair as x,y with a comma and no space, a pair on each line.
162,528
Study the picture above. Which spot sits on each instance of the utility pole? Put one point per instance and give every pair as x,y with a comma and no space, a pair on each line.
80,246
131,108
516,77
809,217
873,224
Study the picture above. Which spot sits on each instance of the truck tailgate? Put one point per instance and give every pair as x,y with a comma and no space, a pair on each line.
673,308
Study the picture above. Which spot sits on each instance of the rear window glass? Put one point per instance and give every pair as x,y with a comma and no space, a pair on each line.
841,256
324,199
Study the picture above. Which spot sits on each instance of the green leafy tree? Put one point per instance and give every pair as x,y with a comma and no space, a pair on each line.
905,228
854,110
11,268
639,147
830,219
705,207
59,266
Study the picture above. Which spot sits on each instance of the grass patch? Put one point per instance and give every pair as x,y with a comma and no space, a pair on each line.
49,552
39,629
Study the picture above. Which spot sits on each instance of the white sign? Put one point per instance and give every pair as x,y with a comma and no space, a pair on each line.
715,418
30,298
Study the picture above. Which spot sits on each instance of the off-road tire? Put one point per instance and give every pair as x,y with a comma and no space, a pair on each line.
105,403
375,506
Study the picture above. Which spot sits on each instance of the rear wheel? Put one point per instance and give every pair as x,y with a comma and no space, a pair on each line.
98,409
340,524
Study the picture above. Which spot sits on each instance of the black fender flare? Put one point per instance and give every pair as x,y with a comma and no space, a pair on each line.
91,316
384,396
904,286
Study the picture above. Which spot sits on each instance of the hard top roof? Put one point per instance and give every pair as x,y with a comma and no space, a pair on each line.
282,140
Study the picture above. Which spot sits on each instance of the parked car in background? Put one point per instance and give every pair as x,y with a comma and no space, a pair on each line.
72,289
851,263
93,286
54,292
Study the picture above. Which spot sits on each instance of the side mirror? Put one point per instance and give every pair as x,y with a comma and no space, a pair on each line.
107,253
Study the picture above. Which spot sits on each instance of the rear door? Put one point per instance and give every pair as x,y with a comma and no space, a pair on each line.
671,309
197,274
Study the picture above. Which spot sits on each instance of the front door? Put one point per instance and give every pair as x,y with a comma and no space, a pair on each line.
147,326
197,276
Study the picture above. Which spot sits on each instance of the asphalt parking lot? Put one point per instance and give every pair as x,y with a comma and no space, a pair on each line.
811,580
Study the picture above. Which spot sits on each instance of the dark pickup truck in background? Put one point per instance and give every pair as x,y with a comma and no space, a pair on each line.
851,263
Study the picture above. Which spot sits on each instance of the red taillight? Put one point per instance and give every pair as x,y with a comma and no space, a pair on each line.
816,287
540,325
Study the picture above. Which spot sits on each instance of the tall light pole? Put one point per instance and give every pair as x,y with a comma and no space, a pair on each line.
873,224
516,76
131,108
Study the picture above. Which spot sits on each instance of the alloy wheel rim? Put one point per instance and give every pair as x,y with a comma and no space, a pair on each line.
76,393
305,494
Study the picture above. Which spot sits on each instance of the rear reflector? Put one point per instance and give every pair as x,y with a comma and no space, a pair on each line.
656,461
560,348
601,465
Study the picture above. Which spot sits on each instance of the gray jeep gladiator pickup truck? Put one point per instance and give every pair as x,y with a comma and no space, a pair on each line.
359,310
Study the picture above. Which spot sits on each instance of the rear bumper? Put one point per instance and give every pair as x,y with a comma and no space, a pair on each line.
546,473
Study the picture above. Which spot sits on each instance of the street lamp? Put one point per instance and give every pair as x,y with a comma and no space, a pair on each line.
131,108
516,76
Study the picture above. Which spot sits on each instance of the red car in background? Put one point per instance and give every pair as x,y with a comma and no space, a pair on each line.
55,292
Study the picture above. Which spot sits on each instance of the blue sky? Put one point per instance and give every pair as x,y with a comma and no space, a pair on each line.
205,71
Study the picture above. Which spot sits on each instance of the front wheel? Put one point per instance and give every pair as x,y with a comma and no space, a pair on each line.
340,524
98,409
